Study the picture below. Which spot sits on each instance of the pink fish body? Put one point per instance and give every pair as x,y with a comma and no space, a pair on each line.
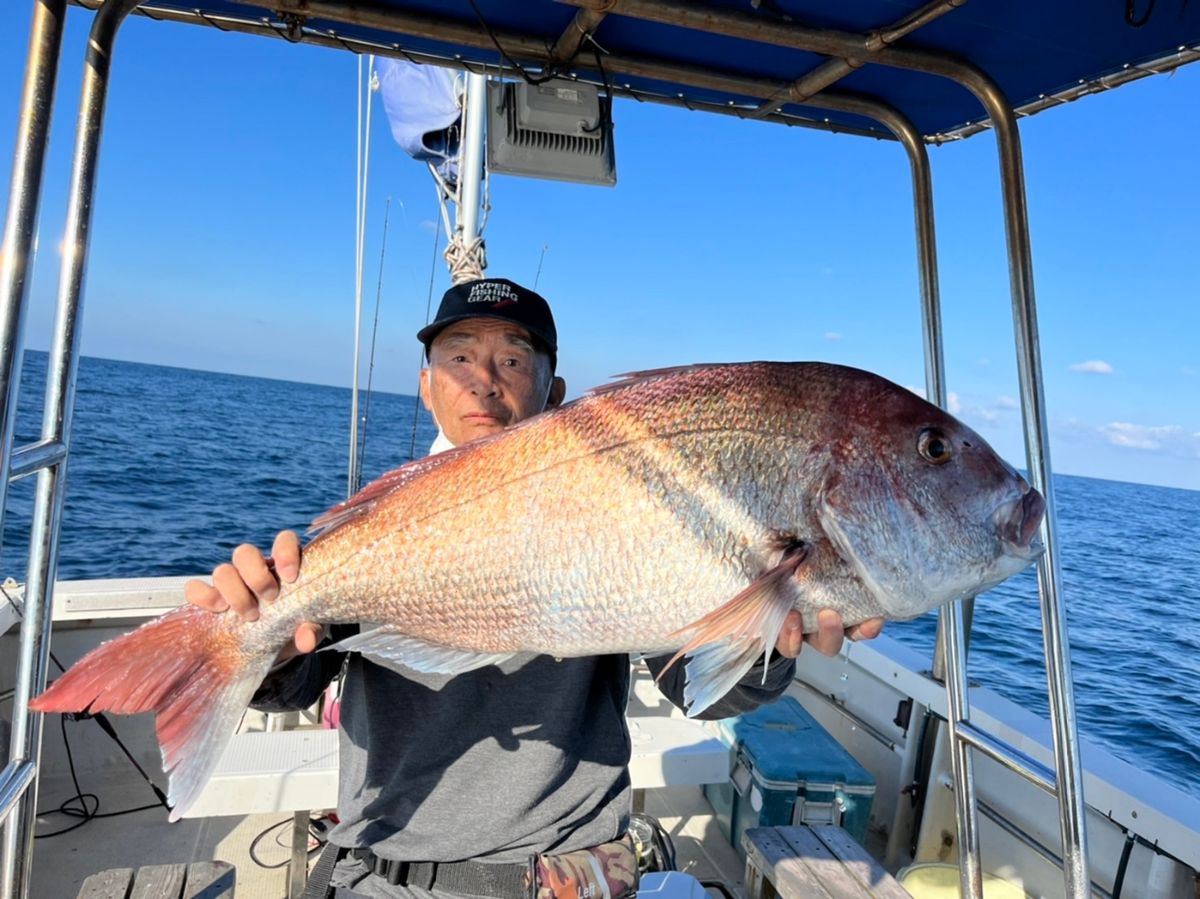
686,510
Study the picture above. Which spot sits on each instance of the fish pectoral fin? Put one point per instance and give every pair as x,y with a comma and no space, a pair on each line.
399,652
726,642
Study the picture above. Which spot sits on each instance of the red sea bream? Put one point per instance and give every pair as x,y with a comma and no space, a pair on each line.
685,510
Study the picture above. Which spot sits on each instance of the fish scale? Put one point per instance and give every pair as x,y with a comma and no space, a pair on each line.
680,510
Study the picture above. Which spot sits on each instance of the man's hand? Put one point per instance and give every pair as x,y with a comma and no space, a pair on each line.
249,581
827,638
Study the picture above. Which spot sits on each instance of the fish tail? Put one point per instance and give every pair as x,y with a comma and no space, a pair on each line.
191,668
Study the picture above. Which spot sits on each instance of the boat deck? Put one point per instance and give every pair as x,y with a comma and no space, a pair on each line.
62,863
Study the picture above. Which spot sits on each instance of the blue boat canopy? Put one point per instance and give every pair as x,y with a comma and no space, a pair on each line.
759,58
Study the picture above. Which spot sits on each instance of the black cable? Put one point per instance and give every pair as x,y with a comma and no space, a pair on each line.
1123,865
83,812
605,123
101,719
75,813
312,832
1131,18
551,72
81,797
254,845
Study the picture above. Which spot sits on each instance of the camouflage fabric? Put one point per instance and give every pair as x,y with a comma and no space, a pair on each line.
607,871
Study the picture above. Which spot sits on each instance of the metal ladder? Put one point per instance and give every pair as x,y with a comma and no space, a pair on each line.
47,457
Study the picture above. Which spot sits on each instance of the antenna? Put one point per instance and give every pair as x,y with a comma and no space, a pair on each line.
545,247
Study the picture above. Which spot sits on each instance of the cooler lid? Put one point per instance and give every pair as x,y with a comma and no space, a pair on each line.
786,744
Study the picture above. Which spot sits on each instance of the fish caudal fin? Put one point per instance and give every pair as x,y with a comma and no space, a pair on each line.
726,642
189,668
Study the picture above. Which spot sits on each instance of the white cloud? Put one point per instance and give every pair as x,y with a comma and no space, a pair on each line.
984,362
1094,367
1171,439
985,411
428,225
832,336
1187,371
967,410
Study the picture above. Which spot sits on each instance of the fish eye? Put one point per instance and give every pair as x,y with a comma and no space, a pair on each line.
933,446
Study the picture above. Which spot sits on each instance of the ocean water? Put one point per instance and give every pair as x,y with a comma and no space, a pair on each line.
172,468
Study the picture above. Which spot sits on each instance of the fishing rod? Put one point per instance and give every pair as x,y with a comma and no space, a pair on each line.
362,447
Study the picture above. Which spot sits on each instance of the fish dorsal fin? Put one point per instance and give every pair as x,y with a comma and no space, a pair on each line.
727,641
633,378
388,647
363,502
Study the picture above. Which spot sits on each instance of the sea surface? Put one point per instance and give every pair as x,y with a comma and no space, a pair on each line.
171,468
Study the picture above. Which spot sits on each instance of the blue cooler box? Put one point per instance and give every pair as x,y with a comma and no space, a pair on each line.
787,769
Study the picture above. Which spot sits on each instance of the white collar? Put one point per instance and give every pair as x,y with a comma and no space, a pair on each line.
440,444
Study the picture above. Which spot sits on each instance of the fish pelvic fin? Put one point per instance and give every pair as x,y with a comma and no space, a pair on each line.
726,642
403,654
189,668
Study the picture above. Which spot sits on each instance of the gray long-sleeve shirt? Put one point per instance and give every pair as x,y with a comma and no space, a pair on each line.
495,764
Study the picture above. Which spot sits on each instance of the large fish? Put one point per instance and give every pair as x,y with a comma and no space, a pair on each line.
684,510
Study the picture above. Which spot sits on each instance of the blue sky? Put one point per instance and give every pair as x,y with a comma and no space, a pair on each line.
224,240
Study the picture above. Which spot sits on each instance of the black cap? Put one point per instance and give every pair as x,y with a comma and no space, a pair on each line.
496,298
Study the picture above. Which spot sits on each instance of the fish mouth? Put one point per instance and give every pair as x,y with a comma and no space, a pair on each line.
1018,523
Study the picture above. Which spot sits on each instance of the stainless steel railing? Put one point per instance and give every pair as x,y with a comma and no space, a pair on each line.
48,457
861,49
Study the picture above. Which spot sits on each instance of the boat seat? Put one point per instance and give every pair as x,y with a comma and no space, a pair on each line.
210,880
800,861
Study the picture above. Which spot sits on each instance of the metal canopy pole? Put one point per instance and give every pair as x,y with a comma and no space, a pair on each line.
471,174
857,47
18,779
56,427
951,632
951,629
16,251
851,46
1069,781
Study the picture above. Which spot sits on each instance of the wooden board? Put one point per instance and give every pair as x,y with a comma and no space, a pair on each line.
209,880
856,860
199,880
158,882
771,860
110,884
821,861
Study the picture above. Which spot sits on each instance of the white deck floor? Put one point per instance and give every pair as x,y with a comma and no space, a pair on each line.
62,863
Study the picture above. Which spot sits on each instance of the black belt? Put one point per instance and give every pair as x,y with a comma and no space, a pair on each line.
500,881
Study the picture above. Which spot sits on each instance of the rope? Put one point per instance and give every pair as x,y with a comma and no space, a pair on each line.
466,262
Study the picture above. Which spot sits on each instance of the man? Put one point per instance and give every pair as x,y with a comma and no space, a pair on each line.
482,771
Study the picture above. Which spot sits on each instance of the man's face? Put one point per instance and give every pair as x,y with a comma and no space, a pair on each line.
484,375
